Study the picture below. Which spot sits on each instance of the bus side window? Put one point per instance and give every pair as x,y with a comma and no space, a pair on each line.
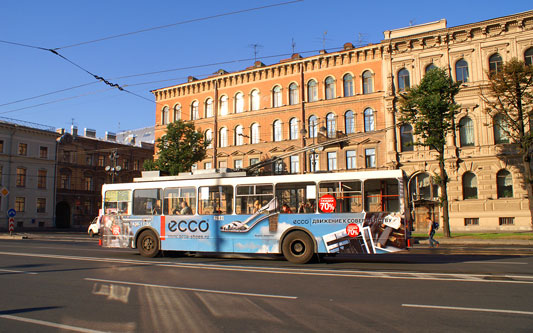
180,201
382,195
252,198
347,194
147,202
216,200
298,197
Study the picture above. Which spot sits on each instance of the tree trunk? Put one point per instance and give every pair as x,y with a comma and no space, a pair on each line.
444,196
528,180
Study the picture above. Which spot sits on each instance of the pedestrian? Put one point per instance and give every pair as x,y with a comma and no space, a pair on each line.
433,226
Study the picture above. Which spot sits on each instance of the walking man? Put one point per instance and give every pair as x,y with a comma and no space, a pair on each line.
433,226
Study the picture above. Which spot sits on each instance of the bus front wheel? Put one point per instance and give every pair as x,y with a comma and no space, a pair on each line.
298,247
148,244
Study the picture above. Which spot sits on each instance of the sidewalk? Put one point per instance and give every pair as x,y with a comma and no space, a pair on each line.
6,235
474,241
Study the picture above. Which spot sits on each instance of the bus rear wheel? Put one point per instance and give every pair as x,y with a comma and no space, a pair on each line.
148,244
298,247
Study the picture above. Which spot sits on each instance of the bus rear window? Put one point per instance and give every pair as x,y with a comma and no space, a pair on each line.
347,195
216,199
382,195
117,202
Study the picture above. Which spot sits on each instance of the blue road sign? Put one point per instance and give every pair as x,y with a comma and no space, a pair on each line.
11,213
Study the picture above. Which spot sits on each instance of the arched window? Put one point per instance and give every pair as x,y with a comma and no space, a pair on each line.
469,186
495,63
254,133
293,94
223,137
164,115
239,139
239,102
177,112
348,85
209,137
330,125
194,110
528,56
500,129
313,126
209,108
430,67
368,86
406,137
276,126
276,97
369,120
403,79
349,123
254,99
422,187
466,132
330,88
461,71
504,182
293,129
312,91
223,110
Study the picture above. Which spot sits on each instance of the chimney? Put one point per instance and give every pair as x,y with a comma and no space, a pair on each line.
60,131
90,133
110,136
348,46
74,130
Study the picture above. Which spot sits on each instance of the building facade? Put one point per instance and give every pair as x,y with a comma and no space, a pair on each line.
338,111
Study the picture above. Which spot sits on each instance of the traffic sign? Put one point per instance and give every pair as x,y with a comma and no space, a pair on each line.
11,224
11,213
4,191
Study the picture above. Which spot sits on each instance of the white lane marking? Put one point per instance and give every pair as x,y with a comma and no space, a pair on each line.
440,307
486,278
50,324
495,262
13,271
193,289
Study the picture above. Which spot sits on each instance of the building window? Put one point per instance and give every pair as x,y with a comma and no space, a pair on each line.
255,100
223,106
350,159
403,79
368,86
194,111
314,162
88,183
495,63
254,133
209,137
461,71
41,178
369,120
21,177
209,108
1,176
349,123
279,167
64,179
469,186
136,165
466,132
277,130
237,164
348,85
293,94
23,149
430,67
101,161
330,88
370,157
295,164
312,91
528,56
471,221
41,205
276,97
293,129
43,152
177,112
208,165
239,102
222,164
332,161
20,204
500,130
506,220
313,126
239,138
254,160
504,183
89,159
330,125
223,137
406,137
164,115
1,146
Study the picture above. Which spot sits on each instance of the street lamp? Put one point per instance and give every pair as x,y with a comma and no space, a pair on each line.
113,169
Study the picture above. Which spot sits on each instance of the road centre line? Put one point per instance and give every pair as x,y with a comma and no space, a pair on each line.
192,289
13,271
50,324
303,271
440,307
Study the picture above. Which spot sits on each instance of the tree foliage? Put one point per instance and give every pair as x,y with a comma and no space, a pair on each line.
180,148
431,108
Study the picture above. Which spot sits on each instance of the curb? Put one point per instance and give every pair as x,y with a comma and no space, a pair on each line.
14,236
488,242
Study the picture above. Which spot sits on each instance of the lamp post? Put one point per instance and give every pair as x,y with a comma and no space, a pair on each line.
113,169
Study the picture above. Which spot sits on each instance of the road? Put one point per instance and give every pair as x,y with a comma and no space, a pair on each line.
66,282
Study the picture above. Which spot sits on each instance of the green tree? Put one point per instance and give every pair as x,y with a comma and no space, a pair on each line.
430,108
180,148
509,99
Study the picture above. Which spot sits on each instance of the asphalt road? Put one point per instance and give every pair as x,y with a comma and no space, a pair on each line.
65,282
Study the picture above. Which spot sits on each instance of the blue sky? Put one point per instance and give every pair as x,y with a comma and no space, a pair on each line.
27,72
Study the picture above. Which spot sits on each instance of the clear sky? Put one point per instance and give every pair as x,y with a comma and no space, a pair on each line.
28,72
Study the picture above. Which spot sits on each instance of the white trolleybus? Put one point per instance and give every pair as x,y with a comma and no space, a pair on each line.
298,215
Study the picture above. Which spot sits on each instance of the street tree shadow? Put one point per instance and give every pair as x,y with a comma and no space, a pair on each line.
24,310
